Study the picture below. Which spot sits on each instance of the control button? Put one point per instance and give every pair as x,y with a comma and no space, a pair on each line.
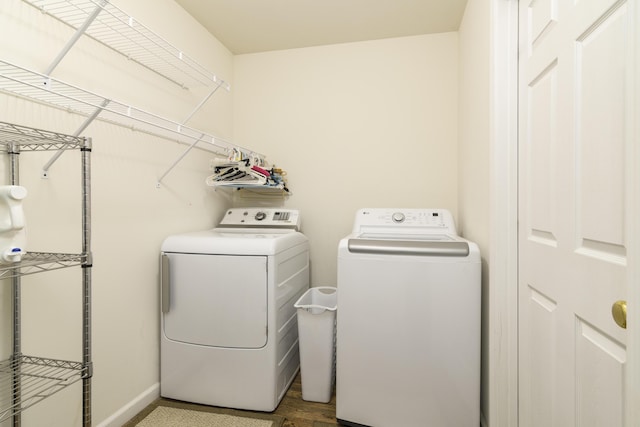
397,217
281,216
260,216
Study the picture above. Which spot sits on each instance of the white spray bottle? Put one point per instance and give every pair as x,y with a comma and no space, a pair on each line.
13,234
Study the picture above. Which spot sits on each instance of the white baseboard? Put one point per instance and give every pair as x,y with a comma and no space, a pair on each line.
132,408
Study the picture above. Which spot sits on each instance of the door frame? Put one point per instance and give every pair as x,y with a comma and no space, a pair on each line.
632,411
503,274
503,222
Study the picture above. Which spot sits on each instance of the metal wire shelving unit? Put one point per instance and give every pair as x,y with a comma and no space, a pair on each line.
26,380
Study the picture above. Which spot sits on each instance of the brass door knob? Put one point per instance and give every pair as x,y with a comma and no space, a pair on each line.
619,312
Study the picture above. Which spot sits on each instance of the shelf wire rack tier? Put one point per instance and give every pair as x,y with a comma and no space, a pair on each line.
36,378
30,139
119,31
37,262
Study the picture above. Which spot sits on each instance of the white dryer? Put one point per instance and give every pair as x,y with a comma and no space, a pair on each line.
408,328
229,334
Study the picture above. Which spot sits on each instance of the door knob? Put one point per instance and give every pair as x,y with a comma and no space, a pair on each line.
619,312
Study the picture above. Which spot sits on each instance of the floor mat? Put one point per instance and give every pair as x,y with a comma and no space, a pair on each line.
169,413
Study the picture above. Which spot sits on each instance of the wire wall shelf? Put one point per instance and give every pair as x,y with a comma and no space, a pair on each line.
119,31
24,83
34,379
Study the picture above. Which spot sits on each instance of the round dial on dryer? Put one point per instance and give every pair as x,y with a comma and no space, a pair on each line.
397,217
260,216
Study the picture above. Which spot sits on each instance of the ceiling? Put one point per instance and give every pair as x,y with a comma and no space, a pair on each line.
250,26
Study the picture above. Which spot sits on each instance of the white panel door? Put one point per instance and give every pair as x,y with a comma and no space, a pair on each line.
574,109
217,300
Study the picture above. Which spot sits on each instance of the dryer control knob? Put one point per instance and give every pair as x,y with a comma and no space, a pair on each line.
397,217
260,216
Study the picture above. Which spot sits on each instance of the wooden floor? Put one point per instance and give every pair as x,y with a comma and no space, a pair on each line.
300,413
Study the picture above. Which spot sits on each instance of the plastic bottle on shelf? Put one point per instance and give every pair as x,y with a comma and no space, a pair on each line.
13,233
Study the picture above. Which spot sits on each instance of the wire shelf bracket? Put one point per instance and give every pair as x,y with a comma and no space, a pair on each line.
76,36
83,126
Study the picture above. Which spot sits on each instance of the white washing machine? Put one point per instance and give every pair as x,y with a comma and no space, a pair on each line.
408,327
229,334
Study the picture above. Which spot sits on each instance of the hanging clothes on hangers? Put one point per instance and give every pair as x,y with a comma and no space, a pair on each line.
242,169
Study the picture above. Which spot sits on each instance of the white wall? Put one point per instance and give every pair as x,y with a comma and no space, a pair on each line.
370,124
130,215
474,152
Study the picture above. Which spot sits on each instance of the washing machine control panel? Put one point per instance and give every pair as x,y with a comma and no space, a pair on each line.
261,217
419,220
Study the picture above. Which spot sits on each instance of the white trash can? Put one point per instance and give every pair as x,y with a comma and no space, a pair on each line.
316,312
